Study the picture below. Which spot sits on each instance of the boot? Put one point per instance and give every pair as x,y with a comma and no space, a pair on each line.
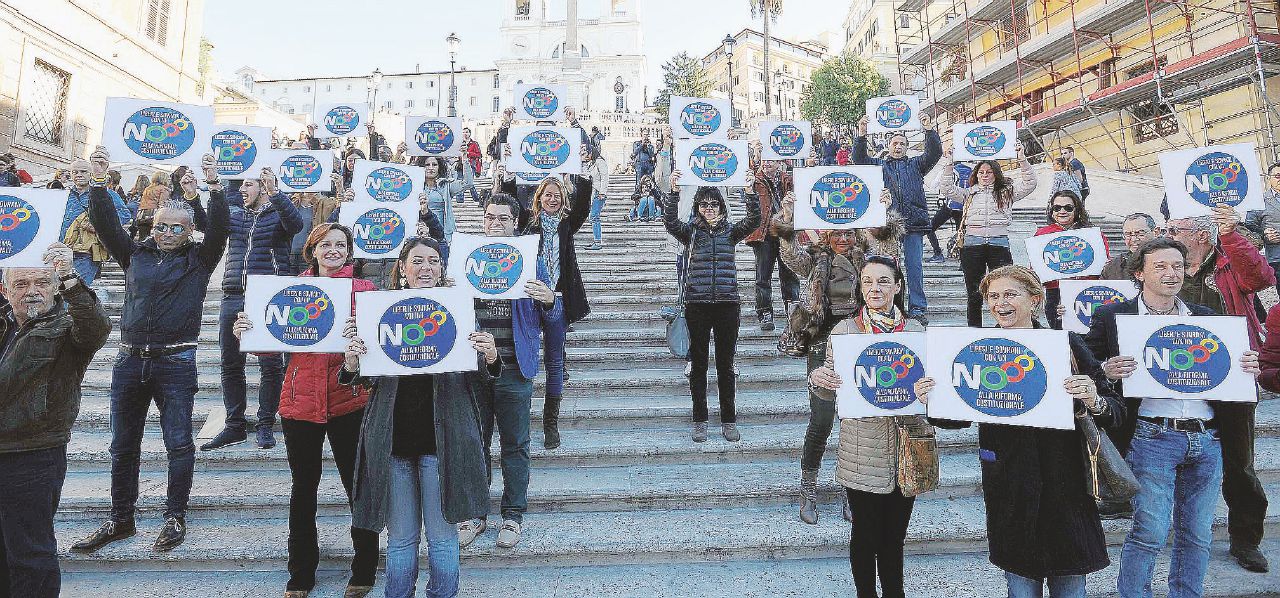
550,423
809,496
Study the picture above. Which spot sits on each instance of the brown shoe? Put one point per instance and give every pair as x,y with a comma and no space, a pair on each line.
296,593
357,591
109,532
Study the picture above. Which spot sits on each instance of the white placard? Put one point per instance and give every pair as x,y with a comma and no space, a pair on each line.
387,182
241,151
1186,358
303,171
785,140
893,113
416,331
993,375
30,221
540,101
716,163
545,150
1067,254
153,132
839,197
493,267
433,135
995,140
379,228
1197,180
1082,297
296,314
878,373
340,119
699,118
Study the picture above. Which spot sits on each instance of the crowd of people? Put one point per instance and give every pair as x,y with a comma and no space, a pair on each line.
413,452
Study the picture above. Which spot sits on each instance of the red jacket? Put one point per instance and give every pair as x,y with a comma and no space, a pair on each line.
1057,228
473,156
311,391
1240,273
767,201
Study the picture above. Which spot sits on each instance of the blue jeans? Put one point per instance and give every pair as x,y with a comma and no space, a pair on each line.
506,402
1062,586
170,381
234,386
32,482
86,267
415,503
597,205
648,208
1179,477
913,263
554,330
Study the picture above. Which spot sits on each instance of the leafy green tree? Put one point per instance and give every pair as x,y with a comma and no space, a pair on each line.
683,75
839,89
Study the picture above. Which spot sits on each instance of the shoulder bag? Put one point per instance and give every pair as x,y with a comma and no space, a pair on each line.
678,327
1106,474
917,456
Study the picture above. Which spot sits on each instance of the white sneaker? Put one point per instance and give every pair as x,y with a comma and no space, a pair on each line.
468,531
688,368
509,535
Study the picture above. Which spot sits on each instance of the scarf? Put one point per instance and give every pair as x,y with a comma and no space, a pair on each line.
550,252
882,323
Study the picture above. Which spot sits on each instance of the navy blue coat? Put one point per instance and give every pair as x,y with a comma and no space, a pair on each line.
904,177
259,240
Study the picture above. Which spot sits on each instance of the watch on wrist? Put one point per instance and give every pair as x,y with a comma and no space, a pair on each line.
98,181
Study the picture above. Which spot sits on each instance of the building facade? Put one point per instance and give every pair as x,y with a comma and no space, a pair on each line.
869,35
792,67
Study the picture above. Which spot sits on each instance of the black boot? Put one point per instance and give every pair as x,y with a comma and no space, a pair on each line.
550,423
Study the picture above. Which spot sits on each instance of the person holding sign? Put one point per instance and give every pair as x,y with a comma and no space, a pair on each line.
868,466
772,183
88,263
986,212
312,407
1066,211
420,462
440,189
709,289
1042,525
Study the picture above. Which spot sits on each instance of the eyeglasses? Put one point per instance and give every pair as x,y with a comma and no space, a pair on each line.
1007,296
1064,208
1136,234
176,229
1275,176
492,218
708,204
1174,231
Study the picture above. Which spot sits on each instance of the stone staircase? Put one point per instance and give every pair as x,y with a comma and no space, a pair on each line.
628,506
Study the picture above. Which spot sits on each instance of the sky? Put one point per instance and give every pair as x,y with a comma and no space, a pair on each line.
278,37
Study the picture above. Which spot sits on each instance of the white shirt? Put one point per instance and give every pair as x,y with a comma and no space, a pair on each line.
1173,408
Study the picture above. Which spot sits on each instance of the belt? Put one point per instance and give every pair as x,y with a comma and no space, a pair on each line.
150,351
1190,424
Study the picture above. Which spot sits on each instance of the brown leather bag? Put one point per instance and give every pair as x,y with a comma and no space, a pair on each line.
917,456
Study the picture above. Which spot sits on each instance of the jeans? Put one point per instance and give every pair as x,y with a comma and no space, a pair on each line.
1179,474
1246,500
304,443
506,402
768,254
913,263
822,416
642,170
170,381
975,262
32,482
234,386
940,217
597,205
876,540
703,319
647,209
86,267
413,505
1062,586
554,329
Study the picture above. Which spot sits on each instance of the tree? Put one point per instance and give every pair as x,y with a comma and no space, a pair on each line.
683,75
839,89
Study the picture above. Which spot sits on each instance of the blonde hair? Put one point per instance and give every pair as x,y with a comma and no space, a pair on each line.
564,194
1024,276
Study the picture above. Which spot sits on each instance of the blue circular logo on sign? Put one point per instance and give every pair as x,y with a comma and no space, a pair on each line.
840,198
984,141
378,231
416,332
544,149
388,184
1186,358
528,178
893,114
786,140
300,315
713,162
341,120
159,133
494,268
700,119
19,223
434,137
1090,299
300,172
999,377
887,373
233,152
540,103
1217,178
1068,254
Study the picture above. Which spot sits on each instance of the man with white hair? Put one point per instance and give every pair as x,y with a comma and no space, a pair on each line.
77,204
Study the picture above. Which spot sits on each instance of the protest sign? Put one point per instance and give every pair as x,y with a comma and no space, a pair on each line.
1067,254
342,119
545,150
387,182
699,118
303,171
839,197
433,135
995,140
1198,180
892,114
153,132
540,101
30,221
416,331
1000,376
1083,297
712,163
785,140
1180,360
493,267
296,314
379,228
878,373
241,151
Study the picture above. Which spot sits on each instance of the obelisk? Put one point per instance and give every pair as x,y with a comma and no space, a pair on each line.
571,58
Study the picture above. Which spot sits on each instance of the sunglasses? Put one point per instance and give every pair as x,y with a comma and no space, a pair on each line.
176,229
708,204
1066,208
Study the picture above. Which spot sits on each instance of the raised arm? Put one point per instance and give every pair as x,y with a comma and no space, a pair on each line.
102,216
580,206
932,151
90,325
1025,182
860,155
947,187
215,238
743,228
796,258
682,231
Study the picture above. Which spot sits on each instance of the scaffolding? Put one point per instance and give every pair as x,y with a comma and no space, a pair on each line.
1118,80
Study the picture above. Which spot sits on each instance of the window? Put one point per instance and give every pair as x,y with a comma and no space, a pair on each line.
156,26
328,88
473,81
408,103
348,87
47,103
431,103
474,101
284,90
1152,119
307,108
431,83
408,84
495,85
522,8
306,89
387,105
619,104
496,104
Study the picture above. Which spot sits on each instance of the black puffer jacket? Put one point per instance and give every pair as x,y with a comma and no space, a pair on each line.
711,275
260,239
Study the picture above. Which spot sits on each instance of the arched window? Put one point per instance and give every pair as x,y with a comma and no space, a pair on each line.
560,49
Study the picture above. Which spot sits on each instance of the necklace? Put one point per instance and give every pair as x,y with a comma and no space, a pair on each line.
1158,312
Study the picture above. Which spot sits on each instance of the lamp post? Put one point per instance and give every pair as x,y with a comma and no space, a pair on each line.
777,76
729,42
453,42
375,81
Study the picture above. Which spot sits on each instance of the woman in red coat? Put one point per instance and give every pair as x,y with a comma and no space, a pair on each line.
312,406
1066,211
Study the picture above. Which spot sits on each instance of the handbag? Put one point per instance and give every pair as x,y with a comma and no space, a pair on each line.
803,325
957,241
917,456
678,327
1107,475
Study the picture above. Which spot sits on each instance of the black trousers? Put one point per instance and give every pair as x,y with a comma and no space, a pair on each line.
975,262
768,255
30,488
1246,501
1052,299
822,415
943,214
304,444
877,539
723,319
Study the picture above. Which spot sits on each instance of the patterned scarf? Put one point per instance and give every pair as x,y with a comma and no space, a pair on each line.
550,254
882,323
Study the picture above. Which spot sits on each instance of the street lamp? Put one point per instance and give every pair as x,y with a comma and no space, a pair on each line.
777,76
453,42
729,42
375,81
